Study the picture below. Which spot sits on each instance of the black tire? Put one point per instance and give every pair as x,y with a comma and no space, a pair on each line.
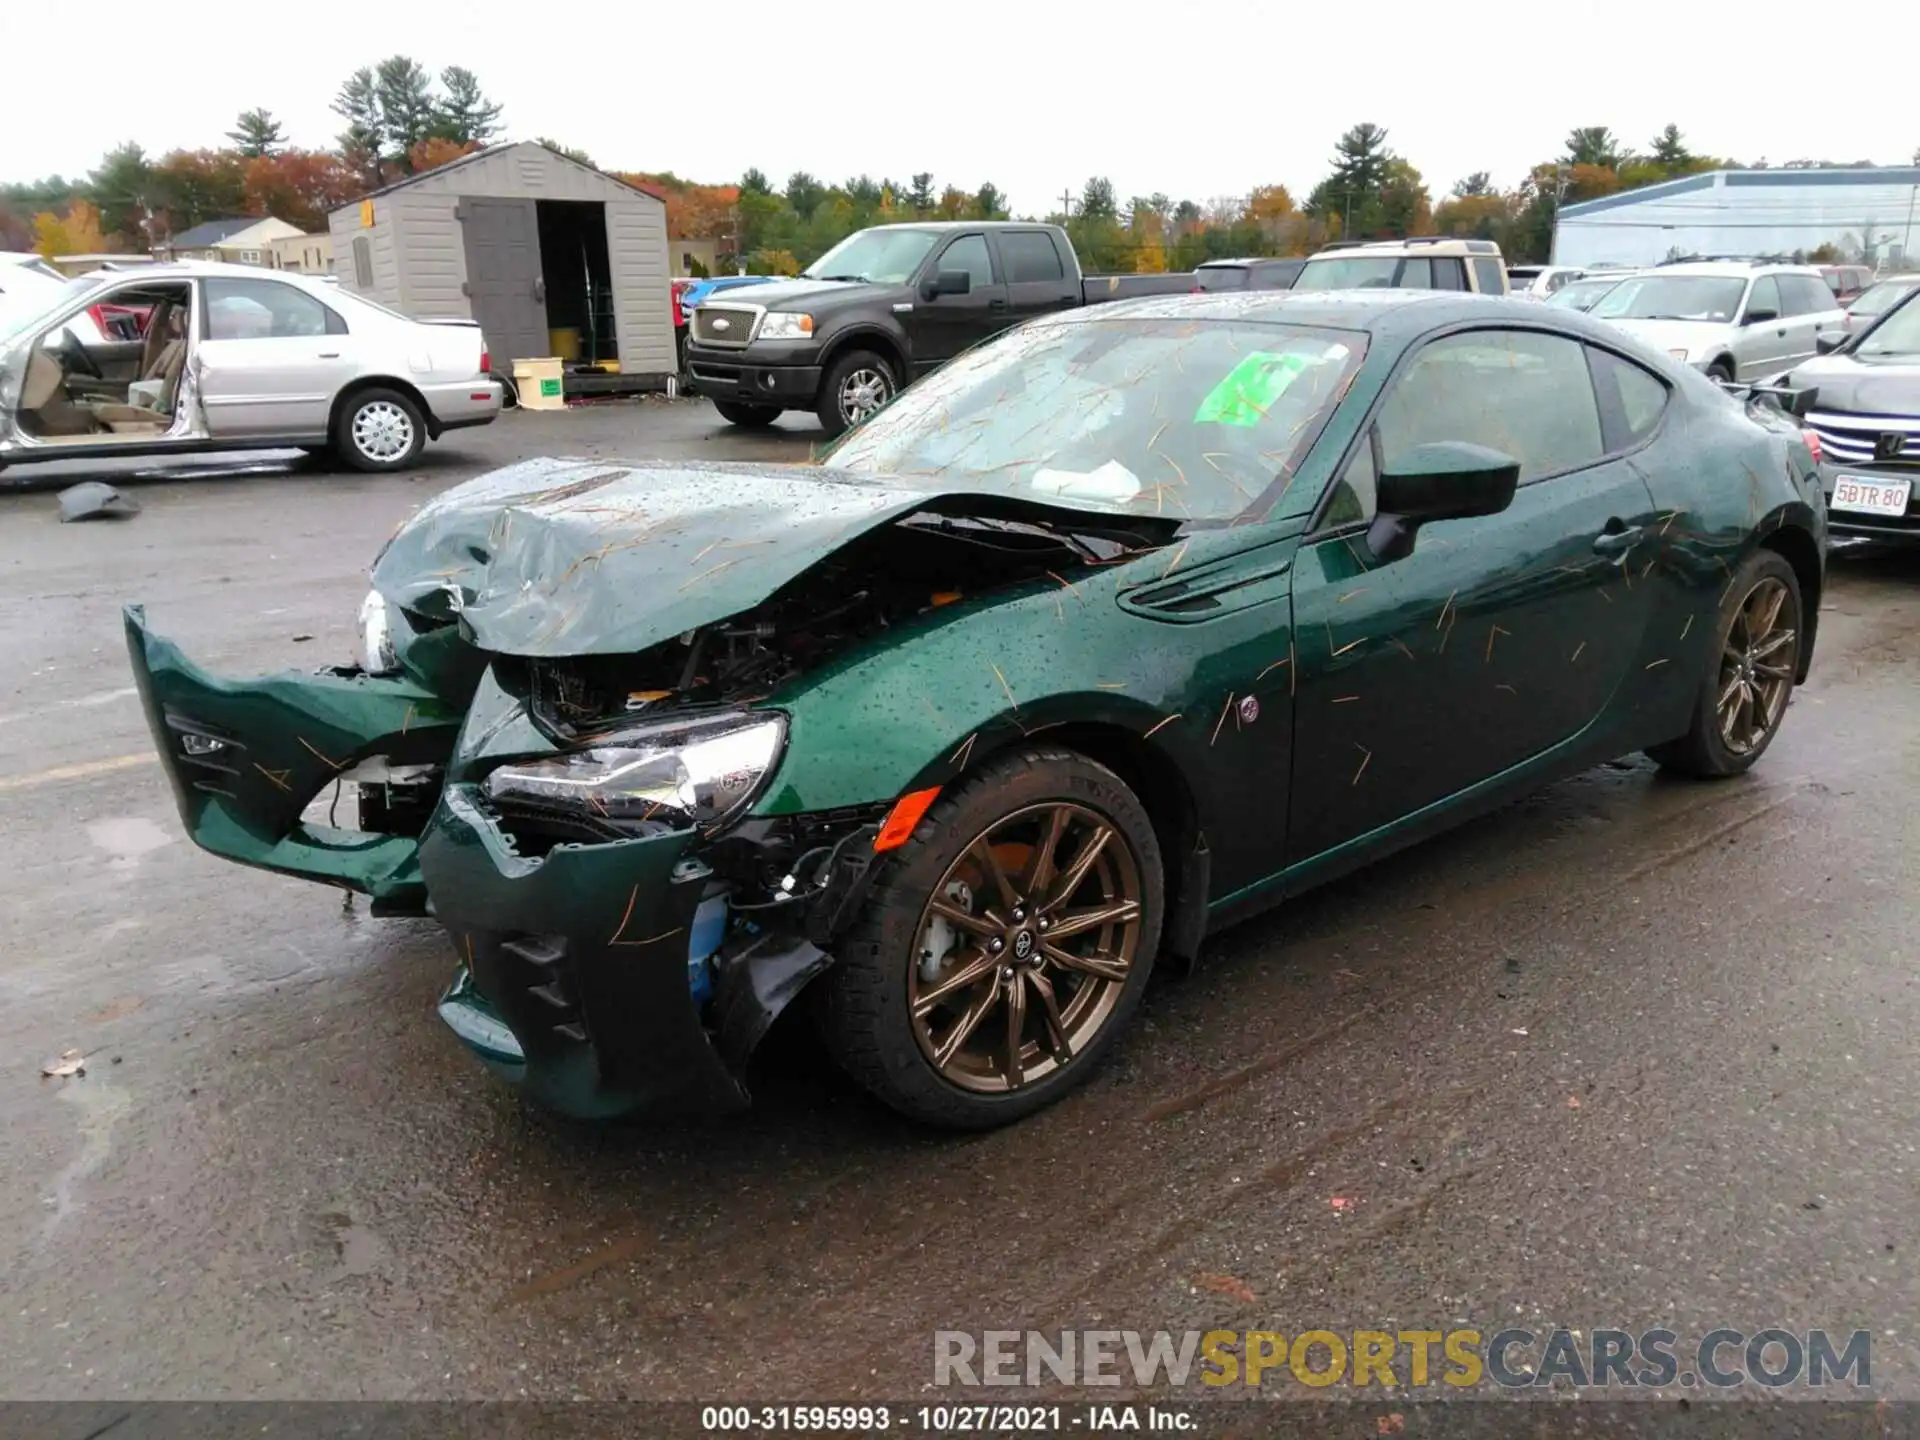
865,1004
1703,752
1721,370
747,417
836,408
379,430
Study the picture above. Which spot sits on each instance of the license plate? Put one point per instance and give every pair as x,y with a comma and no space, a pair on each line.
1870,497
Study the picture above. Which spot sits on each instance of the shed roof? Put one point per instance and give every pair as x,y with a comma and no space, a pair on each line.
492,152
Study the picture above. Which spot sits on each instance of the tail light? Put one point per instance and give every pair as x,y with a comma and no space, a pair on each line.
1812,437
486,361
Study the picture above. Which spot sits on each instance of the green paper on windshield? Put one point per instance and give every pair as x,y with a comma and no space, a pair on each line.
1251,387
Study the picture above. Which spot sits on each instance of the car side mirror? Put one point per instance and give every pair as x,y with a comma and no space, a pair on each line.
947,282
1760,317
1448,480
1827,344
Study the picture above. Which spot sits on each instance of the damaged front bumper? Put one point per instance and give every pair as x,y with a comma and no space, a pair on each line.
578,967
605,979
246,758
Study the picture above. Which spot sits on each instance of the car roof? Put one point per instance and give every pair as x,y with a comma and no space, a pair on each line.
1246,260
1734,269
1395,315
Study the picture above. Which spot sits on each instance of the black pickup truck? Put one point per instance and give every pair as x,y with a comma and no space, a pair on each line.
881,309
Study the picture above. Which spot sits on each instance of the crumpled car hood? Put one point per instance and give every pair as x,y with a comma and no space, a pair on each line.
582,557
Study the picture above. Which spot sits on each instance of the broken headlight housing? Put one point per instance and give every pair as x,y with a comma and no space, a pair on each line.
377,653
702,772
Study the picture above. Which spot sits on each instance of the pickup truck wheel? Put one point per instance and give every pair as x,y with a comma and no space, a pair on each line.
857,384
1004,948
747,417
379,430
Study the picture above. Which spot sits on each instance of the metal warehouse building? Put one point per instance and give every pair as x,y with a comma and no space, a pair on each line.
1868,215
550,256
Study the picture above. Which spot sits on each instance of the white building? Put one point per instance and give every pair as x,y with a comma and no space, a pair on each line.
1868,215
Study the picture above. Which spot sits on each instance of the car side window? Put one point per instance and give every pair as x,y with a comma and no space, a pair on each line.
1765,296
1631,399
969,253
1355,492
1416,274
1488,276
1029,256
266,310
1807,296
1449,274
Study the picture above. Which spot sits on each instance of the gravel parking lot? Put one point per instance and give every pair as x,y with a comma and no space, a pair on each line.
1630,1052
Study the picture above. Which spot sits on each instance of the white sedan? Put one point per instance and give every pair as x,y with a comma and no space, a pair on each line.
197,357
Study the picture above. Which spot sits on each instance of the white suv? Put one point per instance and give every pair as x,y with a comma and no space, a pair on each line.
1735,319
1426,262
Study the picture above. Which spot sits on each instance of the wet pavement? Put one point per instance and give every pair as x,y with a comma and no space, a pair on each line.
1631,1052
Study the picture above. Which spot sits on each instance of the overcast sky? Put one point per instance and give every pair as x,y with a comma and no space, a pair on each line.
1034,96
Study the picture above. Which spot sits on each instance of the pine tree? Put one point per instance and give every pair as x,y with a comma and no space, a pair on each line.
465,115
364,140
256,133
407,107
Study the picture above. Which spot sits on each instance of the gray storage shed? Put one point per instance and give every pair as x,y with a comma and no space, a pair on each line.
549,255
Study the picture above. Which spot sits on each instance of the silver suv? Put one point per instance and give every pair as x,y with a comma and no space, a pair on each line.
1426,262
1734,319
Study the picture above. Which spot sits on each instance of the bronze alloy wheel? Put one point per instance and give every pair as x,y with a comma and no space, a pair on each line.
1757,666
1023,950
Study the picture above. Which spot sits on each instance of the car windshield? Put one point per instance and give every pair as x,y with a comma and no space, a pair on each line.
27,312
1353,272
885,257
1580,294
1881,298
1713,298
1222,277
1188,419
1895,334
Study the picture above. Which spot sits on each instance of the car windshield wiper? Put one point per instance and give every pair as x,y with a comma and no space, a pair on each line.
851,279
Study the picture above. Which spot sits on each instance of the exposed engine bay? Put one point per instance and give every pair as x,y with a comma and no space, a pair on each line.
879,581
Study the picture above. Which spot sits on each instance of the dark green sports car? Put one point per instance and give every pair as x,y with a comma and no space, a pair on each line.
1129,624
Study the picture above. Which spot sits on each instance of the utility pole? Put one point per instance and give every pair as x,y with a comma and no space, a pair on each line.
1066,203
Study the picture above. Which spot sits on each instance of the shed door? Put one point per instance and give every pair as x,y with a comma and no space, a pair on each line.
502,242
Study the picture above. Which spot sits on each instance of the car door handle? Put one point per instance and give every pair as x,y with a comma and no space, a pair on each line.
329,354
996,304
1616,542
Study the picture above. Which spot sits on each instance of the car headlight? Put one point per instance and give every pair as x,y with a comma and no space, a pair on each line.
701,771
377,653
776,325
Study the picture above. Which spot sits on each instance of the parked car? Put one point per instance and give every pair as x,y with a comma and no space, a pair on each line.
882,308
1867,417
1429,262
28,285
1879,298
688,293
234,358
1583,294
1734,320
1126,625
1847,282
1252,274
1538,282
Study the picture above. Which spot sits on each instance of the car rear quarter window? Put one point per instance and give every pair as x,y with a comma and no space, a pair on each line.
1632,400
1489,277
1029,255
1804,295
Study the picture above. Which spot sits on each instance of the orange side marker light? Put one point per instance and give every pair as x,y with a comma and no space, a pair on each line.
906,814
